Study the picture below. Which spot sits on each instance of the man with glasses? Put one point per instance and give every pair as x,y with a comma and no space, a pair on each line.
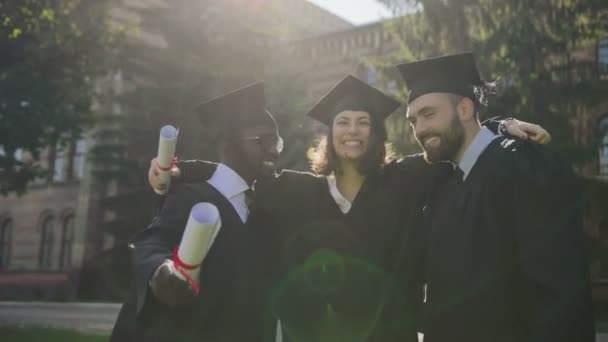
163,306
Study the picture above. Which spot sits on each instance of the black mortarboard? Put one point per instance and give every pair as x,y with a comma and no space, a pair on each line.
353,94
456,74
237,109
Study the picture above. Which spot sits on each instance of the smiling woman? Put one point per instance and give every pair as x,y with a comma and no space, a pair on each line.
354,113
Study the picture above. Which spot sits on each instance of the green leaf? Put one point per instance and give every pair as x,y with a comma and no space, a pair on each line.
15,33
48,14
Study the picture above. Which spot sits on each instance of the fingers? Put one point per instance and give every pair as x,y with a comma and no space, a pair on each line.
154,176
545,139
536,132
518,132
175,172
514,128
184,292
162,288
154,169
526,130
170,289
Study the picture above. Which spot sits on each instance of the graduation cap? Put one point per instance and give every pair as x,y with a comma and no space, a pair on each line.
353,94
456,74
237,109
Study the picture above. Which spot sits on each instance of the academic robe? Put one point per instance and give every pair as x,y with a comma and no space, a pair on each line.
367,264
343,277
505,257
229,304
346,277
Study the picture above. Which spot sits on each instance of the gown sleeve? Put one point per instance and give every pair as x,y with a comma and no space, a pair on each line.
151,246
195,170
550,245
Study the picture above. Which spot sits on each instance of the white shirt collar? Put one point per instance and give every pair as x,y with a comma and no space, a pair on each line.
483,138
227,181
340,200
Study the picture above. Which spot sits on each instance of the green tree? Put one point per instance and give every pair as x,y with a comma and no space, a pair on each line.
52,53
532,47
287,101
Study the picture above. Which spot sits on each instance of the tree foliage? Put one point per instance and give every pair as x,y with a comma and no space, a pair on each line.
541,52
52,52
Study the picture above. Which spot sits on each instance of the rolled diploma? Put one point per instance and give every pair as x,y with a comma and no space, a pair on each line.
203,226
166,152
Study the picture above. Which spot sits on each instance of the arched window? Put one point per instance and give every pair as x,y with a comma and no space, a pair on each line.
47,237
67,240
603,148
6,240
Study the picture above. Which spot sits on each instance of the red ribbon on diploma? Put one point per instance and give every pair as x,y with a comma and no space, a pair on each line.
182,267
168,168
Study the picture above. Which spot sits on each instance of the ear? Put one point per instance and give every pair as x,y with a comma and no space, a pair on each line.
466,109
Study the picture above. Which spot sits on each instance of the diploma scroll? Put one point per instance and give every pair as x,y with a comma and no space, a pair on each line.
201,230
166,155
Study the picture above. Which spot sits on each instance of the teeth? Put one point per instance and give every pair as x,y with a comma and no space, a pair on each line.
352,143
431,141
268,163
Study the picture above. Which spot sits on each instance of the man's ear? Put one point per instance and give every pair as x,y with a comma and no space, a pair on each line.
465,109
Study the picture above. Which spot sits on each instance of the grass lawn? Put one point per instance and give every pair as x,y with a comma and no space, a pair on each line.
12,334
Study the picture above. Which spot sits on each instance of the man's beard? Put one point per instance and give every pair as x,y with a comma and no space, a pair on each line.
450,141
268,170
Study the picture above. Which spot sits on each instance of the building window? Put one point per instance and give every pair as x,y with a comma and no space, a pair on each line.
46,243
6,239
79,158
602,56
603,148
67,240
58,165
370,75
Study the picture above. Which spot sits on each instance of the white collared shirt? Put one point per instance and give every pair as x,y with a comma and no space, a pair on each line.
483,138
233,187
340,200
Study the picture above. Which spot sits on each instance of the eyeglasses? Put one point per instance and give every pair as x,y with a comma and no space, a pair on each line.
267,142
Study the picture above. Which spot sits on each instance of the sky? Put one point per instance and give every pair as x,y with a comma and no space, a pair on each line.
357,12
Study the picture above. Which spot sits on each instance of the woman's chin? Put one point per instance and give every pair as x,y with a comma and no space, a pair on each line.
351,157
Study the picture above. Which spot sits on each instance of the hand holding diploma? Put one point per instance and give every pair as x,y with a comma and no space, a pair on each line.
201,230
175,282
166,157
168,286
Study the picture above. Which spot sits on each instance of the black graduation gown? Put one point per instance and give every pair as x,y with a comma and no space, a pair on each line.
346,277
505,252
383,230
230,302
